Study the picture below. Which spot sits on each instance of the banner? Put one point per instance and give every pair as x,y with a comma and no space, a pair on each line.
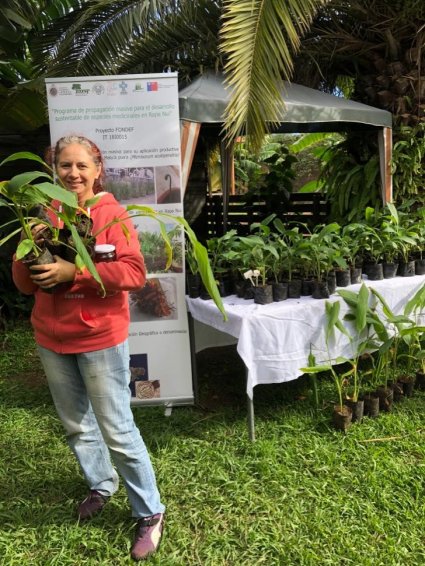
134,120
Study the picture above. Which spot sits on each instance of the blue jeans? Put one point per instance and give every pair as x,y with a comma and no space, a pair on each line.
92,397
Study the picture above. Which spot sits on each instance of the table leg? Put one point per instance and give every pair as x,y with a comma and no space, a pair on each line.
251,423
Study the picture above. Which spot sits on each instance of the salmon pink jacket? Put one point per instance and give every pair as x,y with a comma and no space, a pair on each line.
76,318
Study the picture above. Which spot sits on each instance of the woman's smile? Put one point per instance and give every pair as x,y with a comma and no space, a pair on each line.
78,171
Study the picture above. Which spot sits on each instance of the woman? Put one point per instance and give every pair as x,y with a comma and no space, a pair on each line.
82,340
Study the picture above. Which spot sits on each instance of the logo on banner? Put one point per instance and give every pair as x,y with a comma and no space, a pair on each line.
98,89
138,87
152,86
123,86
76,87
111,89
53,91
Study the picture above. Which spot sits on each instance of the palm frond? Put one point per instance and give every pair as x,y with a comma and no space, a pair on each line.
95,38
259,39
110,37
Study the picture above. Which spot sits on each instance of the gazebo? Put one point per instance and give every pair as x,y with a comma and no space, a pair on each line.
306,110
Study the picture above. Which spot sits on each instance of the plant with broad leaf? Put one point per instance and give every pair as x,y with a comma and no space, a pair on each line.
399,238
24,191
367,333
289,242
399,326
322,246
332,321
260,251
217,248
414,335
370,238
351,243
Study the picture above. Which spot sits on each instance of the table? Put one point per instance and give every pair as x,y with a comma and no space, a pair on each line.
274,340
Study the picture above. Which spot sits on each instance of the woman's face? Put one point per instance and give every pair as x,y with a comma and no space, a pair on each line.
78,171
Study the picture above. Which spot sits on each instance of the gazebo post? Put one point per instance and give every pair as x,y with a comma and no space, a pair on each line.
385,141
226,153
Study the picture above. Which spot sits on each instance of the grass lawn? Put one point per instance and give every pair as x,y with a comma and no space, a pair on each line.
302,494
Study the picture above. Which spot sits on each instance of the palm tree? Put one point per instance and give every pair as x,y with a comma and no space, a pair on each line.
376,49
253,40
379,45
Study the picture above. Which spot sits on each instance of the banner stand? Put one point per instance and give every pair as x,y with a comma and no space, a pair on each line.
134,120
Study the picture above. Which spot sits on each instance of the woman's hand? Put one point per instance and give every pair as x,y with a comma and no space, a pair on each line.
51,274
37,230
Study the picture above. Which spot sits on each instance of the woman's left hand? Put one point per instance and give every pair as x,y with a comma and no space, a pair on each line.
51,274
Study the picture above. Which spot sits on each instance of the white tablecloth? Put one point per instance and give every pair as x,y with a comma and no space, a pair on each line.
274,340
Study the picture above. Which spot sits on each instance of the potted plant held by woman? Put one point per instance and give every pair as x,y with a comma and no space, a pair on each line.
28,196
25,190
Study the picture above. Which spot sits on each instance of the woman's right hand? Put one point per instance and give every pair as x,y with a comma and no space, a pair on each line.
51,274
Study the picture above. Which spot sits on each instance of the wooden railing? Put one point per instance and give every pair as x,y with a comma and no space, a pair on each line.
310,209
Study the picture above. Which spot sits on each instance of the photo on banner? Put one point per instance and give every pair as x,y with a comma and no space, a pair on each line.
134,120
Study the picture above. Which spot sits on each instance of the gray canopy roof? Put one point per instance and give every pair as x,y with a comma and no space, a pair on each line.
205,100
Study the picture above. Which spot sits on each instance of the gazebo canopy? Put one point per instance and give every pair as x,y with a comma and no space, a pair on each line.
204,101
206,98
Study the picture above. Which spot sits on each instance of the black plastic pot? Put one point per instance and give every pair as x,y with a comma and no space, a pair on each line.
193,285
294,289
420,381
398,393
343,277
225,285
342,417
371,405
240,285
356,275
408,383
280,291
204,295
249,291
357,409
321,290
307,287
331,281
263,294
374,271
420,267
386,397
44,258
390,270
406,268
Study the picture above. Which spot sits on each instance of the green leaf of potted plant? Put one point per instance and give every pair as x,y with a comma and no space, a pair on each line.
342,414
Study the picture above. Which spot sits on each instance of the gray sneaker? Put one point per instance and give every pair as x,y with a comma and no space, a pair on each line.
92,505
148,536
